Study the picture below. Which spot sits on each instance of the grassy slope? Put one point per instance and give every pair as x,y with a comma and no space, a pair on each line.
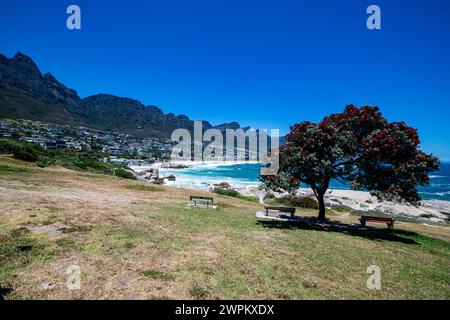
139,242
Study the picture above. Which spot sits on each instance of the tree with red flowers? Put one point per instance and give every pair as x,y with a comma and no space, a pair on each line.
358,146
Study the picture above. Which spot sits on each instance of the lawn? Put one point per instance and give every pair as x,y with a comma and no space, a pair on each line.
141,242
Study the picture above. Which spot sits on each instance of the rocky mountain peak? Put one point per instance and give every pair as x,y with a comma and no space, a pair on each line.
27,94
25,63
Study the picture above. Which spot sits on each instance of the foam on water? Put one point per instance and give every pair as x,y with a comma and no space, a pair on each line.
203,175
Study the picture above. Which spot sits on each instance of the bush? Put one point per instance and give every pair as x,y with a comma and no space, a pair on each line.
234,194
341,208
88,164
226,192
269,197
20,150
298,202
42,162
84,163
70,159
124,174
25,154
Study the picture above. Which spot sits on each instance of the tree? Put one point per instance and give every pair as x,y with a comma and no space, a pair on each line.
358,146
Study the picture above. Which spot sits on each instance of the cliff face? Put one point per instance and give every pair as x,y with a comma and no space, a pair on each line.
27,94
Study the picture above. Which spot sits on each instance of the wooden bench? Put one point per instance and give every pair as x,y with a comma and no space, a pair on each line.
201,199
291,211
388,221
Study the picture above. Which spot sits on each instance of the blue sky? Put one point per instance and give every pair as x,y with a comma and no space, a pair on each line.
267,64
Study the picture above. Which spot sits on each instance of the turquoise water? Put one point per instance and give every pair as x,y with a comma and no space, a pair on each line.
247,174
439,188
440,184
243,172
201,176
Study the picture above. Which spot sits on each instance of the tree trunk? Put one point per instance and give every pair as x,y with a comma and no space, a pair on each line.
321,201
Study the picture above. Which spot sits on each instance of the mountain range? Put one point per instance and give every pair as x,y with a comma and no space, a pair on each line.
26,93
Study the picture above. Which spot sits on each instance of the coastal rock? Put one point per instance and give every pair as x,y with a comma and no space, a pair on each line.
149,174
223,185
158,181
174,166
171,178
145,172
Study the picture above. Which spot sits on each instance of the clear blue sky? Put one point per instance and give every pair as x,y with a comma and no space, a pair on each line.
267,64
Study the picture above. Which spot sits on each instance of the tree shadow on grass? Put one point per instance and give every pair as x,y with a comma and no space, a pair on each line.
306,223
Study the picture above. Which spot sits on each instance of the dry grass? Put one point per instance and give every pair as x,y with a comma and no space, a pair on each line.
134,242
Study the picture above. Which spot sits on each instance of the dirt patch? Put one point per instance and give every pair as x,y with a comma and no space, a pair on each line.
53,231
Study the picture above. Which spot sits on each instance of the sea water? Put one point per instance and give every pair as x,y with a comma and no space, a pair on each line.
202,176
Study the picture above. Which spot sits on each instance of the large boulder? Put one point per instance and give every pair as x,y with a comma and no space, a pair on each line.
158,181
223,185
150,174
171,178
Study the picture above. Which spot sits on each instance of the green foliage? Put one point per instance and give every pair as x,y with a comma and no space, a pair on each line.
88,164
42,162
294,201
124,174
71,159
21,150
235,194
342,208
269,197
358,146
226,192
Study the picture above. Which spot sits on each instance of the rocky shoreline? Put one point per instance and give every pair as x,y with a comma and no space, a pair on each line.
436,211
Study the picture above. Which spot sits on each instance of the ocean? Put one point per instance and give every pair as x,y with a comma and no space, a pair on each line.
202,176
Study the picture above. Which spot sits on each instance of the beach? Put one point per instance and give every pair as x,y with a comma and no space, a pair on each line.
243,177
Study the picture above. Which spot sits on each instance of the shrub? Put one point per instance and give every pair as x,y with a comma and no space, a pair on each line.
70,159
20,150
341,208
42,162
25,154
124,174
84,164
269,196
226,192
235,194
298,202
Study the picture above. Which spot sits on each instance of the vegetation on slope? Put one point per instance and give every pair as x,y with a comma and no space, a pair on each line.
235,194
150,245
71,159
